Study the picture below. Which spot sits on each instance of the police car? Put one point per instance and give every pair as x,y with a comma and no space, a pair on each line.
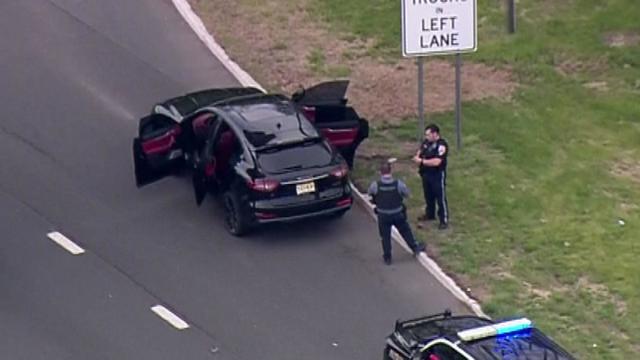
447,337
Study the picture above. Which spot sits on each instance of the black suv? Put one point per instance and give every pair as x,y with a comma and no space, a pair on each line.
261,152
447,337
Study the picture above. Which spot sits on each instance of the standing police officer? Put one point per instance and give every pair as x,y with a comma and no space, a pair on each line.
388,195
432,158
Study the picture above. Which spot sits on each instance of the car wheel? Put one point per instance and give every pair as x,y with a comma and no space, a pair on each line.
385,354
235,217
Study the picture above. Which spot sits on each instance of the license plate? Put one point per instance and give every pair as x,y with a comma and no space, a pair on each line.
305,188
175,154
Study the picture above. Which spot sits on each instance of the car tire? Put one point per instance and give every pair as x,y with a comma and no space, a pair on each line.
235,216
385,354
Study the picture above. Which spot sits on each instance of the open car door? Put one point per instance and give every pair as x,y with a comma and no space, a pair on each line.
203,176
325,105
158,149
205,167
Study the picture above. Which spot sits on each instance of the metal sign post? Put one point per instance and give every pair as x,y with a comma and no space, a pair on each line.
439,27
458,102
511,16
421,124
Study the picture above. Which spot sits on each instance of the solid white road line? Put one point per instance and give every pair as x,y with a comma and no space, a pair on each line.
201,31
427,262
67,244
170,317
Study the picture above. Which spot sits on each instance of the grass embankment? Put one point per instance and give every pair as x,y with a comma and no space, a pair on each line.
545,194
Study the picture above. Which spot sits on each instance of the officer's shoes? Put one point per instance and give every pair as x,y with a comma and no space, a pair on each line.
443,226
387,260
419,249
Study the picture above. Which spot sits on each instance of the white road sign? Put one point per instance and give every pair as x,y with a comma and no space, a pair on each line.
437,27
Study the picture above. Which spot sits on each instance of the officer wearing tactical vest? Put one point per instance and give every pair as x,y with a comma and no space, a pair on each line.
388,195
432,160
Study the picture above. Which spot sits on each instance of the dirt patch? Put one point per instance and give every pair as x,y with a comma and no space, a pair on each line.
476,290
501,273
602,292
286,49
628,169
597,85
402,151
622,39
389,91
406,149
568,66
628,209
533,292
541,293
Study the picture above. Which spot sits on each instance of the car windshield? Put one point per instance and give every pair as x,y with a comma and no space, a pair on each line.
303,155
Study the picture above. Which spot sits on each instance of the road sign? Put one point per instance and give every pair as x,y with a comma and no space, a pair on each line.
438,27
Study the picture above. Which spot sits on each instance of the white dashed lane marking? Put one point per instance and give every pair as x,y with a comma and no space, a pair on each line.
170,317
67,244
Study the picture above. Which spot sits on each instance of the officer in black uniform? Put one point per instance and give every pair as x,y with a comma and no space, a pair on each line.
388,195
432,159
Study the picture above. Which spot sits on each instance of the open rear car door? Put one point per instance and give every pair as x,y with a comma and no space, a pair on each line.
325,105
158,149
206,166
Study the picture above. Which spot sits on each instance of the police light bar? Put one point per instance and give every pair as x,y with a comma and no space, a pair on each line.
502,328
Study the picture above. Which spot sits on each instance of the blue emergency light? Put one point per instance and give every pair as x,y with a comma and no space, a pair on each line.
503,328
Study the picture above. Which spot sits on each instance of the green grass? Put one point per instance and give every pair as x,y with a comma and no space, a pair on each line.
535,205
317,62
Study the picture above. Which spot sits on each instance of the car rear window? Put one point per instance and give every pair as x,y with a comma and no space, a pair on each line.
313,153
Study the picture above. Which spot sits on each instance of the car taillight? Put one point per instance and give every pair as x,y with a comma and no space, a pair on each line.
340,172
264,185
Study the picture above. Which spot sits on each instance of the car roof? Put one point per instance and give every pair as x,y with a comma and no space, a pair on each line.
431,327
530,344
189,103
268,120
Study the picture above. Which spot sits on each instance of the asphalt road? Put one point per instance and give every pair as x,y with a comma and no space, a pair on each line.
76,76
